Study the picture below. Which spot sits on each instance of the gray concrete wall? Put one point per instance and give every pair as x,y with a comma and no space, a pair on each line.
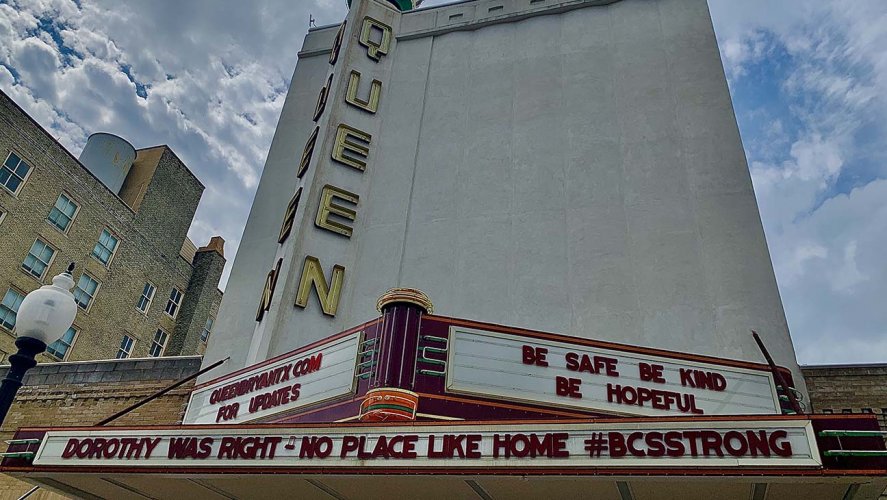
169,369
578,172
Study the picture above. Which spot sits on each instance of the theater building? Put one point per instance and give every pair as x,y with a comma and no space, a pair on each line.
555,197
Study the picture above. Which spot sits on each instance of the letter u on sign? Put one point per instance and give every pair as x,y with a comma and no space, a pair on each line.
371,104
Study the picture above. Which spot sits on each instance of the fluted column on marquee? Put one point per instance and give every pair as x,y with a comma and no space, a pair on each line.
391,396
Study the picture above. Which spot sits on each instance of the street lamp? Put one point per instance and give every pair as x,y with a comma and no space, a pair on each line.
43,317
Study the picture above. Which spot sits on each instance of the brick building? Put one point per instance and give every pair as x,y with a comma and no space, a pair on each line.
122,215
848,389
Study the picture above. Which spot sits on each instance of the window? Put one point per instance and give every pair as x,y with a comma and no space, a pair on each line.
175,300
828,410
62,214
9,308
61,347
105,248
126,344
158,345
147,296
85,291
207,329
13,173
867,410
2,215
39,257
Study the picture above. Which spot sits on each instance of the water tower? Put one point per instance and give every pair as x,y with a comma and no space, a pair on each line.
109,157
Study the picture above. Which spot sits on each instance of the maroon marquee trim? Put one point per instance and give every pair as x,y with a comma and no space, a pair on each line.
454,423
600,343
294,352
472,471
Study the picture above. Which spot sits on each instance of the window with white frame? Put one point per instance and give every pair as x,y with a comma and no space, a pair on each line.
9,308
105,248
2,215
62,214
125,349
61,347
175,300
39,257
158,345
207,329
146,298
13,173
85,292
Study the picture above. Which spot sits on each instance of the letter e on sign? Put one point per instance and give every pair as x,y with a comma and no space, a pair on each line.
307,153
651,373
355,142
534,355
568,387
289,216
328,207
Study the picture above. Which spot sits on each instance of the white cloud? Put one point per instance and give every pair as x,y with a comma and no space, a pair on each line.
737,52
846,277
816,158
212,77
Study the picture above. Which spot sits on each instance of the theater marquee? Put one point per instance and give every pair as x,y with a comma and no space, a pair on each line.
338,411
742,443
576,375
296,380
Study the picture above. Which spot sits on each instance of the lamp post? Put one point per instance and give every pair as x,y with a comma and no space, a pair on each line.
43,317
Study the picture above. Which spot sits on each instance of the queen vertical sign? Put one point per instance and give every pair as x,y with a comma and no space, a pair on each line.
586,377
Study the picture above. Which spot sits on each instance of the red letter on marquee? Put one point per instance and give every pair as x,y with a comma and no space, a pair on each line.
71,448
651,373
568,387
534,355
349,444
616,443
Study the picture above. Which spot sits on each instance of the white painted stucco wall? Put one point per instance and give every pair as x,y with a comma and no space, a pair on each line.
578,172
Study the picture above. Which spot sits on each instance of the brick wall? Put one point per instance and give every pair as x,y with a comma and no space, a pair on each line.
848,389
82,393
169,204
201,301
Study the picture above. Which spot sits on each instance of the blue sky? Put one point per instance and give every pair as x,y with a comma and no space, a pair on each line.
808,81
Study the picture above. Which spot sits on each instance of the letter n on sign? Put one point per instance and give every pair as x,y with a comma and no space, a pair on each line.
327,293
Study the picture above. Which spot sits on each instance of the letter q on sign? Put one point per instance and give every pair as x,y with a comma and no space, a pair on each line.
376,46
